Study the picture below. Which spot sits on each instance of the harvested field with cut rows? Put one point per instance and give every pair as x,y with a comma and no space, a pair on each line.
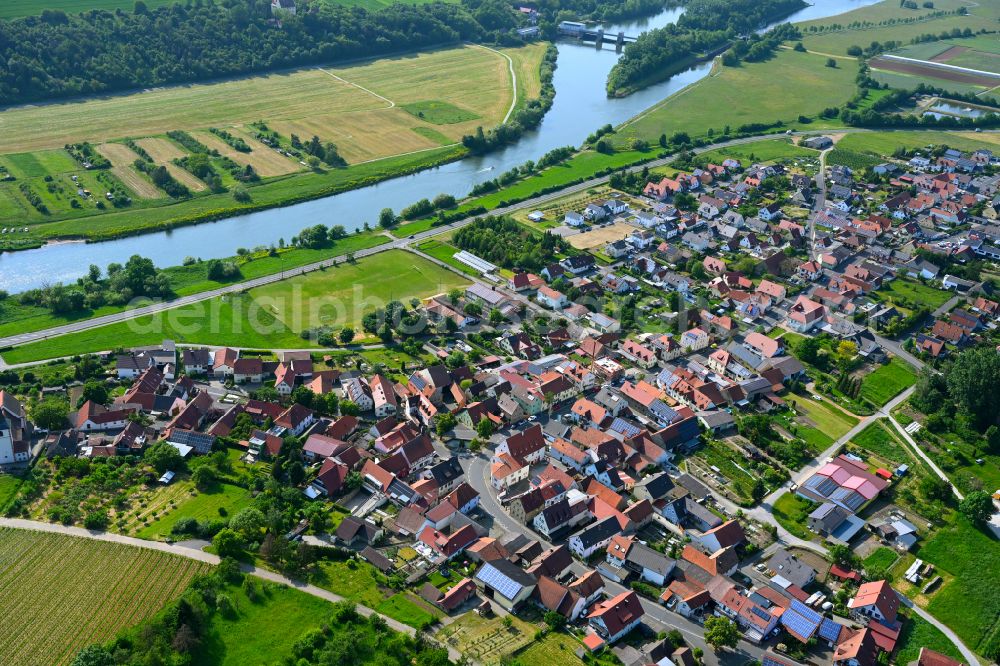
949,54
164,151
930,71
122,157
265,161
61,593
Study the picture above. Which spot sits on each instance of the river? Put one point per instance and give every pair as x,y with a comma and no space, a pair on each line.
580,107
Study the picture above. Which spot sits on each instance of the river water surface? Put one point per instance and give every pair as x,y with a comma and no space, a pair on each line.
580,107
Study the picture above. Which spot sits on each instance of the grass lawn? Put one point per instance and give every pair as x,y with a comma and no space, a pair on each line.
269,317
782,88
887,381
881,559
970,603
446,253
352,580
792,513
827,418
918,633
262,631
912,294
401,607
878,440
341,296
202,506
9,485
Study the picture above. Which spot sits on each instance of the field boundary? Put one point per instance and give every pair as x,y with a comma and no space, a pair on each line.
392,104
513,80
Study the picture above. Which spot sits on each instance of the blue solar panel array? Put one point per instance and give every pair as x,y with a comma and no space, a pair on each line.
801,620
493,577
625,428
829,630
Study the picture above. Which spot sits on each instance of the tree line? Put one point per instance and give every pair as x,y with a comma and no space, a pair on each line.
505,242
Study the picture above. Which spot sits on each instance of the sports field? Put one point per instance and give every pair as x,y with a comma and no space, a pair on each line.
62,593
356,107
788,85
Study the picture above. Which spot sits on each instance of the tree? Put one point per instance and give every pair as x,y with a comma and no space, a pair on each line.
94,390
444,423
50,413
808,350
974,385
720,632
249,522
228,543
484,428
831,62
386,218
935,488
346,335
842,556
163,457
556,621
759,490
93,655
204,477
349,408
977,506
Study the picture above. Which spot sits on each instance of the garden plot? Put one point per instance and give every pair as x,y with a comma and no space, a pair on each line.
122,157
265,161
164,152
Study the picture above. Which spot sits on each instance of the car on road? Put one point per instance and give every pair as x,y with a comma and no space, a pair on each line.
817,397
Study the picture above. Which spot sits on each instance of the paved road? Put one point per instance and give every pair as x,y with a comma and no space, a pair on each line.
819,204
193,554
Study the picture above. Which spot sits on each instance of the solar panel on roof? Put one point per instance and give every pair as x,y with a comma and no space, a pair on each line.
761,613
806,612
829,630
798,625
491,576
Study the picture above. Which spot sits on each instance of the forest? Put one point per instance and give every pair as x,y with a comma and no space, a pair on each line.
705,26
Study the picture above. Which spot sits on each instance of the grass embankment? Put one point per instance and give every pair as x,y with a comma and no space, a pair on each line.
783,88
270,317
79,591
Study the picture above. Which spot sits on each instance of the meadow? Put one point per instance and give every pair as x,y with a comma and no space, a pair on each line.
765,150
792,513
268,317
827,418
788,85
77,592
972,557
878,440
887,381
223,500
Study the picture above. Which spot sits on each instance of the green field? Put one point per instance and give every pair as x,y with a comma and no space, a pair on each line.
187,280
377,4
341,296
887,381
765,150
827,418
862,26
407,610
788,85
444,252
439,113
877,439
881,559
911,294
970,603
15,8
77,592
9,485
263,631
269,317
792,513
917,633
223,500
